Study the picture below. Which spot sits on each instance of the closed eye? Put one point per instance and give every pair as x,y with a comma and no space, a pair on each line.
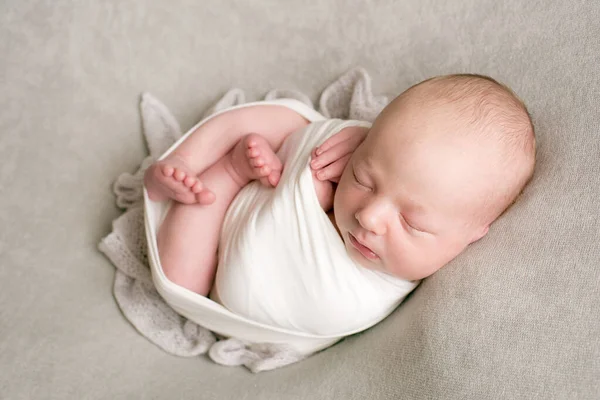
411,226
358,181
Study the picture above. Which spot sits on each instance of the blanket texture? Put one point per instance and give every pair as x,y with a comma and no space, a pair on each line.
349,97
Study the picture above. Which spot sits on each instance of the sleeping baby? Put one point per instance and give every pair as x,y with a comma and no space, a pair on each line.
324,225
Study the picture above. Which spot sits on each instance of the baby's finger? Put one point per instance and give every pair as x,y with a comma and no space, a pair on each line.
333,172
332,154
334,140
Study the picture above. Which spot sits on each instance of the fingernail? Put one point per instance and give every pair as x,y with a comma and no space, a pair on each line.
320,174
318,151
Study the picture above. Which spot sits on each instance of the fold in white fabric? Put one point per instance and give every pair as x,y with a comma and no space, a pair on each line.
282,262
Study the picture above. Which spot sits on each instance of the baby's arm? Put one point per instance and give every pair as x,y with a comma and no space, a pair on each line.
329,161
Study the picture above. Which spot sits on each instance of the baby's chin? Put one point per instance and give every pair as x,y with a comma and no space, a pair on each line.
380,266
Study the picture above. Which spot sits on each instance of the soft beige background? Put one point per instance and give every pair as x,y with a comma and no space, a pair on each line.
515,317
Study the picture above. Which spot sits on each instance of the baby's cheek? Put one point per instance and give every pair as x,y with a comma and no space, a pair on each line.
406,259
340,205
397,254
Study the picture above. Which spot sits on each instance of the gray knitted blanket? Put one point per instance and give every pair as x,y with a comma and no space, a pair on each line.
349,97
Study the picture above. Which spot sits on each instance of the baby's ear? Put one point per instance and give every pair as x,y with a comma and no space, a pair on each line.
480,233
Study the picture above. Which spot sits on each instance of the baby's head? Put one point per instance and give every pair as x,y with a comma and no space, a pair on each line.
439,165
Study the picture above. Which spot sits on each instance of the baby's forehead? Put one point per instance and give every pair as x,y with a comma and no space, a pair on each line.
394,155
436,124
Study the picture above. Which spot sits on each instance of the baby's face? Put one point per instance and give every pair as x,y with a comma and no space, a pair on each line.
409,200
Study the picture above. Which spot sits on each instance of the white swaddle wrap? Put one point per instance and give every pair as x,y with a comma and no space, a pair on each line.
293,279
282,262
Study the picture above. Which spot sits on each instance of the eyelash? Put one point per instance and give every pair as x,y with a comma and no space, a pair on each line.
410,226
357,181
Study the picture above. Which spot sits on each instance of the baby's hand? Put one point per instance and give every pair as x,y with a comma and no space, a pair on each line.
330,158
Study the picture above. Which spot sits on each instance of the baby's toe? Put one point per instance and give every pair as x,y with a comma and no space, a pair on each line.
197,187
252,153
264,171
189,181
179,175
274,178
257,162
205,197
251,142
185,198
167,170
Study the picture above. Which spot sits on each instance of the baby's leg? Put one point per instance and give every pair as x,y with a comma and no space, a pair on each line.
189,236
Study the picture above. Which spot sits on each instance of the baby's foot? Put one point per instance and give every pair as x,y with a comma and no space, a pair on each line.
253,158
172,179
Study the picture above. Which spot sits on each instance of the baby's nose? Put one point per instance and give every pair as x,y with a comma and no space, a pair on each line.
372,219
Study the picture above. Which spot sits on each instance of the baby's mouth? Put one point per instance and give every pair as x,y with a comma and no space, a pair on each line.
362,249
